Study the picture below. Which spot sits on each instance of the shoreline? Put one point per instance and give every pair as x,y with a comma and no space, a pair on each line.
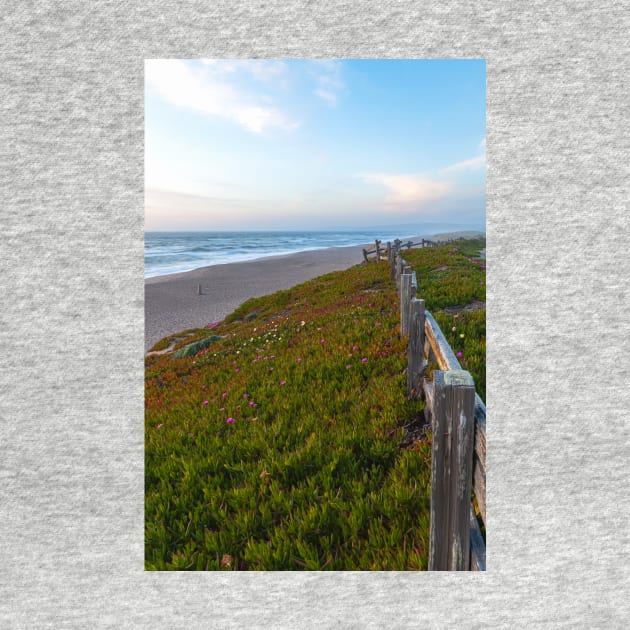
172,302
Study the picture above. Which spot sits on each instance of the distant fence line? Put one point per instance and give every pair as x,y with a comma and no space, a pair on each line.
457,417
384,253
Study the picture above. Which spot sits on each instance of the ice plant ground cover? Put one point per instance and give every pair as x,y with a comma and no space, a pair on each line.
453,277
281,444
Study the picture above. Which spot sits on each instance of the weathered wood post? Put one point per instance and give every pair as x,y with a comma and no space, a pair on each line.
388,251
365,256
399,269
198,289
405,299
392,263
415,348
377,248
451,470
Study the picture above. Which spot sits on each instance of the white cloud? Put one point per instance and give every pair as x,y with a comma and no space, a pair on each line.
213,88
408,189
326,95
472,164
270,71
327,74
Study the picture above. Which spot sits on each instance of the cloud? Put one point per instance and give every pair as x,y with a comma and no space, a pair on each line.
214,88
408,189
326,95
268,71
472,164
327,74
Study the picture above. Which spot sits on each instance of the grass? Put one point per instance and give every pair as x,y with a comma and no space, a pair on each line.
449,277
282,443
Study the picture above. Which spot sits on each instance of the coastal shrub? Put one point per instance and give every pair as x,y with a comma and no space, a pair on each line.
283,447
193,348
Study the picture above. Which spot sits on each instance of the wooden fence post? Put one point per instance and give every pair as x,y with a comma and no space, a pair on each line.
399,269
405,300
377,248
392,263
415,348
365,256
451,470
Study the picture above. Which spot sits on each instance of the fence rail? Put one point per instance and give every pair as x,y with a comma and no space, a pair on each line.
457,416
384,253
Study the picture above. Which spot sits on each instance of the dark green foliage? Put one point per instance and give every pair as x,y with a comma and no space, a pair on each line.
191,349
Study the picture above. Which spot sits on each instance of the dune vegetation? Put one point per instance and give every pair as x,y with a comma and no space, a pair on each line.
283,439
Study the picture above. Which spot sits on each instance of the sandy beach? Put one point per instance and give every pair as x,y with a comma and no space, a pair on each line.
172,302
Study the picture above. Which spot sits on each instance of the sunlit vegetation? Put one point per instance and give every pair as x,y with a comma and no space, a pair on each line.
279,439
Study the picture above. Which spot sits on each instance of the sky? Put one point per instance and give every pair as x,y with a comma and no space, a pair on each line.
288,144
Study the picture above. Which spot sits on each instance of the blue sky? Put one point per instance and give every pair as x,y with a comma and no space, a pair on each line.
313,144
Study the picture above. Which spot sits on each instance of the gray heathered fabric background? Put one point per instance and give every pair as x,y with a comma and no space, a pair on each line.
71,466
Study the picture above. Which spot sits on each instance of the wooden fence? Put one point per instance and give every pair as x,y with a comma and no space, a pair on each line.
457,417
384,253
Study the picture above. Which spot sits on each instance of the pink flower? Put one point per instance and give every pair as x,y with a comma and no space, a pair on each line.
459,354
299,360
364,360
273,356
252,403
203,387
205,403
224,395
245,395
348,367
237,370
230,420
379,324
355,348
323,341
283,382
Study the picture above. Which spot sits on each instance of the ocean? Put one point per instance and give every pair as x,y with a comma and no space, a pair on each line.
173,252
